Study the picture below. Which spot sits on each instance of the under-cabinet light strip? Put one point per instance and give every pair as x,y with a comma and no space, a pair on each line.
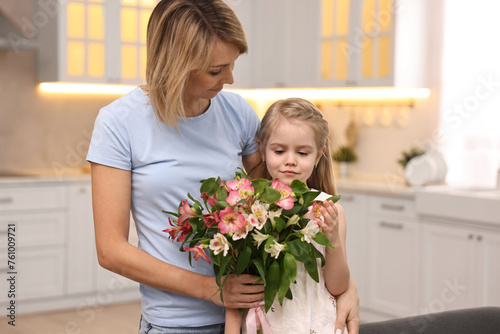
335,94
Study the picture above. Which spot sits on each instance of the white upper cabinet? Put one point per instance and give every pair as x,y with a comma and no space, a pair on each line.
357,42
334,43
95,41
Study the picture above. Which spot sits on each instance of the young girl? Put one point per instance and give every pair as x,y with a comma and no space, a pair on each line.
293,141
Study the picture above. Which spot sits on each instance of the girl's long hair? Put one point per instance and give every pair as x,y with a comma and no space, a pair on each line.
181,37
303,111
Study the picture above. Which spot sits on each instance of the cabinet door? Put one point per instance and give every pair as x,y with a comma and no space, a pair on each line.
82,41
40,273
448,267
488,243
271,39
373,42
81,251
354,206
393,264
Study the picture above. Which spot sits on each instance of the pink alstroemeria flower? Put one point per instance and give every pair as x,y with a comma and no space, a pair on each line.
185,212
238,190
198,252
314,214
179,232
230,221
286,200
209,219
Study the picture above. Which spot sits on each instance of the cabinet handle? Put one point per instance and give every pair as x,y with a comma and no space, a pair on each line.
471,236
392,207
394,226
479,238
6,200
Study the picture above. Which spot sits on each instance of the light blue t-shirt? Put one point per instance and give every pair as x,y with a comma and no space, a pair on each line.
165,166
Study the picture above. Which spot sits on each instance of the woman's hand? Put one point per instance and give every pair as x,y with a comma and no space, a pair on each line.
240,292
348,310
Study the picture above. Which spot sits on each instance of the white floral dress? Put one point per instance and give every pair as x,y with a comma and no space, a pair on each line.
311,311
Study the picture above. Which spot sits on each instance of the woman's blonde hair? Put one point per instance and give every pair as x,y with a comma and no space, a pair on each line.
322,177
181,37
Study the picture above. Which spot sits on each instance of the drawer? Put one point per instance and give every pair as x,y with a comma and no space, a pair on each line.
391,205
32,198
41,229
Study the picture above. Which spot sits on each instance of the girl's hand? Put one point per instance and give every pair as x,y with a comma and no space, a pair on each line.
330,225
240,292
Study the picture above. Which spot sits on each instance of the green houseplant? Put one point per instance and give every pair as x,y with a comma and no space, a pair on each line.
344,155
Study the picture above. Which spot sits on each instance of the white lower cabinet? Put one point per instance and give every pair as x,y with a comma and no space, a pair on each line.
460,266
392,258
354,206
54,262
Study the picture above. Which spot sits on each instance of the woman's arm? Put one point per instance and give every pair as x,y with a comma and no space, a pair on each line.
336,269
348,309
111,196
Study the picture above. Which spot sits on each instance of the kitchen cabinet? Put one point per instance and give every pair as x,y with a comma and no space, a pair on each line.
354,205
357,42
393,257
94,41
460,265
334,43
34,219
55,258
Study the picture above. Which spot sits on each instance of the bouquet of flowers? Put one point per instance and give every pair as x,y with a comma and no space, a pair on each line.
259,227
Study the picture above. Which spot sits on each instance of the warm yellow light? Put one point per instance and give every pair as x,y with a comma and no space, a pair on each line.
73,88
337,94
314,94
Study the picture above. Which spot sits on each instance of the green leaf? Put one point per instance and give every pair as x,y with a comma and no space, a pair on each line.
222,269
280,224
290,267
243,260
176,214
297,184
284,286
259,264
302,252
270,195
273,279
309,197
210,186
322,239
335,198
260,184
221,194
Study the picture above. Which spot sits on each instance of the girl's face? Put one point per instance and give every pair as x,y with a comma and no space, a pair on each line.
206,84
291,152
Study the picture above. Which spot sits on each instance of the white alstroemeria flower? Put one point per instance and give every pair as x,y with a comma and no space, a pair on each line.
259,237
219,243
293,220
272,214
275,249
259,210
310,231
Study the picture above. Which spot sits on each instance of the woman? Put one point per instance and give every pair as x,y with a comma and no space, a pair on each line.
152,146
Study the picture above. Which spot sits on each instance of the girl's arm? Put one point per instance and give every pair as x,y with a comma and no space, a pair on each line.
111,196
336,269
233,321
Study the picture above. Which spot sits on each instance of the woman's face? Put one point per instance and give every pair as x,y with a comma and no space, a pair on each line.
206,85
291,152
